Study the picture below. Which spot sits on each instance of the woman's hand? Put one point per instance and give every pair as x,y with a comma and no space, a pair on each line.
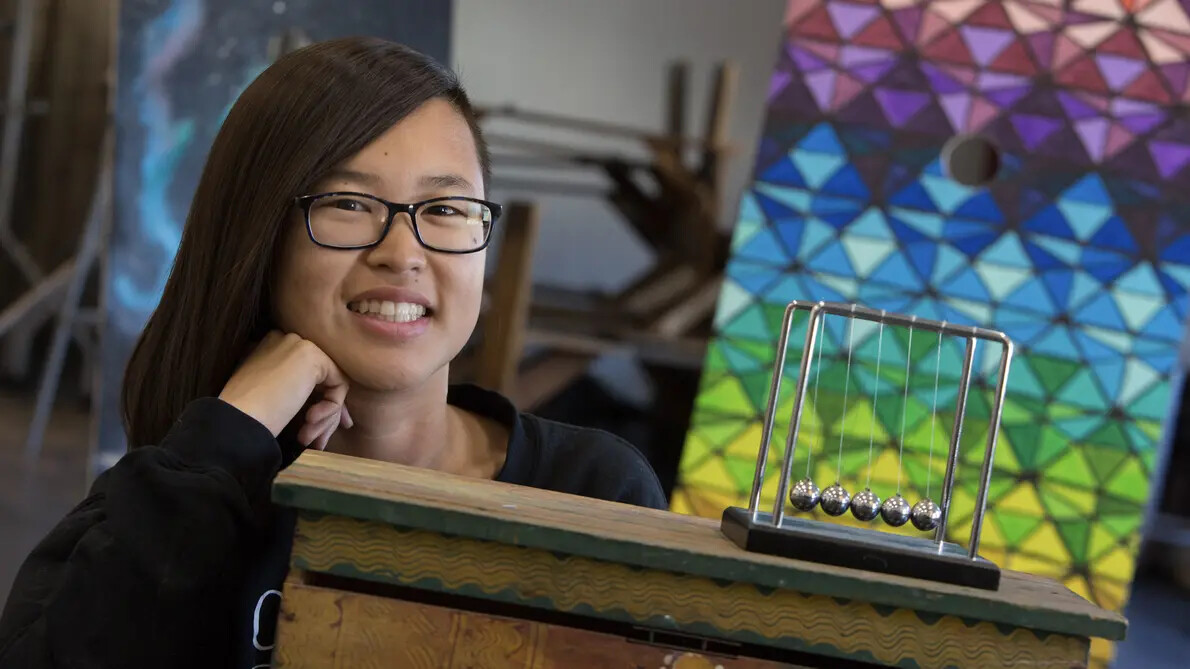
278,378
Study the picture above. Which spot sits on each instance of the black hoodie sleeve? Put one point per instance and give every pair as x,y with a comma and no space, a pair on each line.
144,572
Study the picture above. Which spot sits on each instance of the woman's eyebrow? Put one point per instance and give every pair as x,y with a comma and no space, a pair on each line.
366,178
445,181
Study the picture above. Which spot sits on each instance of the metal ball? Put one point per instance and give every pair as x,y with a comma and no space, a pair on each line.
865,506
926,514
895,510
805,495
835,500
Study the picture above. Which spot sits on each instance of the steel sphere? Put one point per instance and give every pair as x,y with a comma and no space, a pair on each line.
895,510
835,500
805,495
865,505
926,515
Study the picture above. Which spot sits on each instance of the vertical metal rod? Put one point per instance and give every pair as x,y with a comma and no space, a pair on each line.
770,412
795,422
985,474
956,435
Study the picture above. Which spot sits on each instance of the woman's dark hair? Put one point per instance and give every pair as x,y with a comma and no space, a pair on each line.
308,112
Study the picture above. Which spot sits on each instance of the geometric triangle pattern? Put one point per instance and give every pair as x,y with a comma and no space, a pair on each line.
1078,250
1093,81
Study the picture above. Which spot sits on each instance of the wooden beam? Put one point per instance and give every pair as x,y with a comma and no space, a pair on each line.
499,351
684,316
542,379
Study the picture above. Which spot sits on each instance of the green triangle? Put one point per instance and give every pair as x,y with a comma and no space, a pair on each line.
1130,482
1022,380
1024,439
763,351
1071,468
1053,373
756,386
1051,445
1083,391
1142,441
738,361
1111,435
1153,404
1122,526
1016,527
726,397
773,315
1115,506
719,432
742,471
1075,535
715,361
1103,461
1059,508
750,323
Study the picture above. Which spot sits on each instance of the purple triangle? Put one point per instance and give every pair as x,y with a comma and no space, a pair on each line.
1075,108
1043,47
1176,74
853,56
956,106
870,74
805,61
849,19
986,43
1034,130
1093,133
778,83
1142,123
941,82
1118,71
1127,107
1170,157
1005,97
822,87
900,106
989,81
908,20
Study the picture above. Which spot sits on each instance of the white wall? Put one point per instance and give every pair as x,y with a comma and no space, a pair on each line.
607,60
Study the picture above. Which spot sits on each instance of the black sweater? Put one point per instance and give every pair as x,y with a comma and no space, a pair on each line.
176,558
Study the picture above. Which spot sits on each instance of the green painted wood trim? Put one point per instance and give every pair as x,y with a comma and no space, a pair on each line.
891,593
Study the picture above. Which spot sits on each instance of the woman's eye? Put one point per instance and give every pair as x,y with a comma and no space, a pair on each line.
443,210
350,205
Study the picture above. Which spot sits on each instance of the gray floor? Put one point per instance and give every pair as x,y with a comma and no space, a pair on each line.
34,497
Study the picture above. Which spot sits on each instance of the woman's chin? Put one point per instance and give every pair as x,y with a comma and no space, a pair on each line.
391,377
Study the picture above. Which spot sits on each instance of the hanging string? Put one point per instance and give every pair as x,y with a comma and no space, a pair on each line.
846,388
904,405
934,413
875,399
817,375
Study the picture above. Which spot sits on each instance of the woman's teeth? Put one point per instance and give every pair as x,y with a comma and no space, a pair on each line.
396,312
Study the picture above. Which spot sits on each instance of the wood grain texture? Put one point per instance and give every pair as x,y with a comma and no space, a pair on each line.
326,628
637,537
739,612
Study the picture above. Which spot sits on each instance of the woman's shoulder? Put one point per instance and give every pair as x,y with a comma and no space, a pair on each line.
592,462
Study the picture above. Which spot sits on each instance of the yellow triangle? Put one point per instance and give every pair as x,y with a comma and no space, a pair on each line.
747,445
696,449
1111,594
1080,498
1022,499
1101,543
705,503
1032,564
1046,541
1079,586
1117,564
710,474
990,535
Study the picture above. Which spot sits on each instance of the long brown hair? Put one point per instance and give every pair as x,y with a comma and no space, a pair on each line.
309,111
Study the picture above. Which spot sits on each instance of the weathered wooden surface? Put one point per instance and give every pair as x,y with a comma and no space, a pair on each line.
737,612
634,538
326,628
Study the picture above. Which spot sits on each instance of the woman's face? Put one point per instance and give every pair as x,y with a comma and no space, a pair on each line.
428,302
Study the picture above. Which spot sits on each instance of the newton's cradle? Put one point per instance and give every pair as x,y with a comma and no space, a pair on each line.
775,533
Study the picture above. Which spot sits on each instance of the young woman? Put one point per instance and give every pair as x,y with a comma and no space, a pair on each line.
330,270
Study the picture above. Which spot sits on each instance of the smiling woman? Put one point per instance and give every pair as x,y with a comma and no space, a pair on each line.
330,269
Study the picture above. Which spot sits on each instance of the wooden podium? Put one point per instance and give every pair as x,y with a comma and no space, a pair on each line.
400,567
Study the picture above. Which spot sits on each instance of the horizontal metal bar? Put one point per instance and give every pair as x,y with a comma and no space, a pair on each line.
867,314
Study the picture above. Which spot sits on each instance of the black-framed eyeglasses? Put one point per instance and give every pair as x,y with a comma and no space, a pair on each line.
348,220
